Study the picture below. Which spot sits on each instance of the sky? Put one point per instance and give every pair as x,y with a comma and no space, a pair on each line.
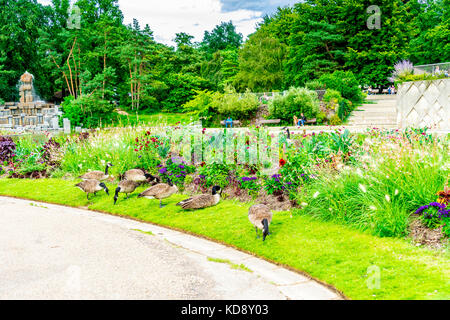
168,17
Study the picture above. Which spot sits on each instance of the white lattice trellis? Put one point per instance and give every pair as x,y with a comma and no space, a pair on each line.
424,104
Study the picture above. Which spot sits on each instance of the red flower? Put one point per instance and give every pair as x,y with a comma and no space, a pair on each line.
282,162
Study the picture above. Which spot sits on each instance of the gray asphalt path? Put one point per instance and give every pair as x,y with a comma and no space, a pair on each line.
51,252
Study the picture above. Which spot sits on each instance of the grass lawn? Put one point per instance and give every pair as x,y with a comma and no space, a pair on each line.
335,254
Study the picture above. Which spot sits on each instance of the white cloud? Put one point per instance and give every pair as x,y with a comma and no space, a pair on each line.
168,17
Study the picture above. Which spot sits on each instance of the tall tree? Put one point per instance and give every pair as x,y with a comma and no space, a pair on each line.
223,36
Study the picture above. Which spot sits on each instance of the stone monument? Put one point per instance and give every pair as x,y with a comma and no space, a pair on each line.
30,113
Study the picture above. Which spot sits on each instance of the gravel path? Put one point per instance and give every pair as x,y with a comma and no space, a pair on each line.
53,252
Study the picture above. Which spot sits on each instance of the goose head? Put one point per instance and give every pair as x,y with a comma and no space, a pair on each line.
216,190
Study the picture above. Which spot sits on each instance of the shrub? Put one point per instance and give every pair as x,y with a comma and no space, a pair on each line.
335,120
344,82
345,109
315,85
87,111
239,107
7,149
201,105
293,102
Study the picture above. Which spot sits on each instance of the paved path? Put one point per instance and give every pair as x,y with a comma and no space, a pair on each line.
54,252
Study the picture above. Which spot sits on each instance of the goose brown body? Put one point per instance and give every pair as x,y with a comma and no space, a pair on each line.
159,191
97,175
261,217
139,175
201,201
91,186
125,186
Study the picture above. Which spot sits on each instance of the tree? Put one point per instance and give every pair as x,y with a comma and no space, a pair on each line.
261,63
222,68
223,36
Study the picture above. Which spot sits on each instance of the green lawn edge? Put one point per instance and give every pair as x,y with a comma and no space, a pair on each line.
333,253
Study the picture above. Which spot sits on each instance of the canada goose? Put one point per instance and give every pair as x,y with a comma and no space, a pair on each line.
202,201
91,186
159,191
125,186
288,133
97,175
260,216
139,175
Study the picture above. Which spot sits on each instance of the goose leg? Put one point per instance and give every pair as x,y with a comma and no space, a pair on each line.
127,195
87,195
257,236
160,204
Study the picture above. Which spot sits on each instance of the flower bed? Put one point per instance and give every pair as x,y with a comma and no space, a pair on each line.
373,181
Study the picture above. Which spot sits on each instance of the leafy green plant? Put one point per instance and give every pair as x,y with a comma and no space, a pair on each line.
215,174
344,82
293,102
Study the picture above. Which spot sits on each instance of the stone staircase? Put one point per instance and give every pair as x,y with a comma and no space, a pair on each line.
380,112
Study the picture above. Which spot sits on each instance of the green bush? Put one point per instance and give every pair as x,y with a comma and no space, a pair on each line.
239,107
87,111
215,106
315,85
293,102
345,109
344,82
418,77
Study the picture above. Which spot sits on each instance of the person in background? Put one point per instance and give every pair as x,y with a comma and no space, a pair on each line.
229,121
295,120
302,120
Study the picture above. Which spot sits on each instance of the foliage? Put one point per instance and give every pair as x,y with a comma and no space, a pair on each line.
176,170
344,82
239,107
436,215
215,174
223,36
7,149
293,102
87,111
261,63
314,85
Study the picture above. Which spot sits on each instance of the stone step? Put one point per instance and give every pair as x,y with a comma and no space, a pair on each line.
371,113
372,122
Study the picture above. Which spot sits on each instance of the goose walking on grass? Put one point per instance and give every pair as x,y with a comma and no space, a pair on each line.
202,201
160,191
139,175
92,186
261,217
125,186
97,175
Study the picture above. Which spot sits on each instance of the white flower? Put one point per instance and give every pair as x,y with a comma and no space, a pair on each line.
304,204
388,199
316,194
373,207
363,188
396,191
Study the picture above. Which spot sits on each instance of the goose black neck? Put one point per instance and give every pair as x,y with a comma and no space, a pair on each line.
106,170
116,195
288,133
266,228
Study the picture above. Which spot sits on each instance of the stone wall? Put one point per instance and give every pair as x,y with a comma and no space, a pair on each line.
29,116
424,104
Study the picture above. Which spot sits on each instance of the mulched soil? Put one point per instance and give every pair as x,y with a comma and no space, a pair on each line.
433,238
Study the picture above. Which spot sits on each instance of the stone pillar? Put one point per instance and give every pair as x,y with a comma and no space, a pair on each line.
66,123
55,123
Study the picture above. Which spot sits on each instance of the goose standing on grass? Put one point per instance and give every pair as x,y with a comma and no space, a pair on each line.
261,217
288,135
202,201
125,186
92,186
97,175
160,191
139,175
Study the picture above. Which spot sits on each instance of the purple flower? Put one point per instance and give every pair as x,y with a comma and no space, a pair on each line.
163,170
181,166
422,208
